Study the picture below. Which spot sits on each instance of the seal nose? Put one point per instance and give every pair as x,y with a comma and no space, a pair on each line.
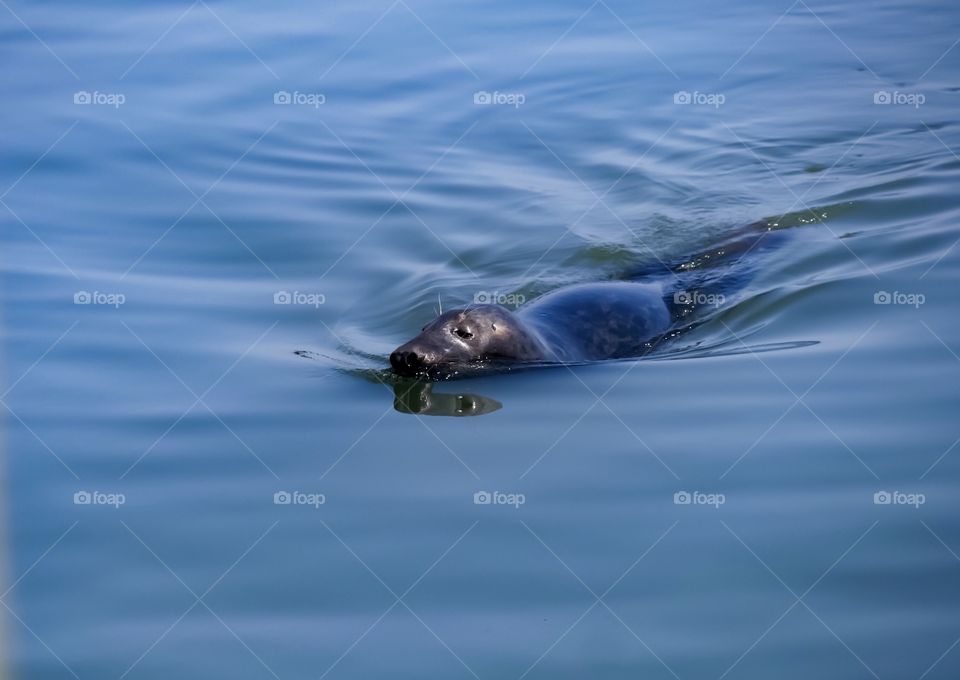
405,361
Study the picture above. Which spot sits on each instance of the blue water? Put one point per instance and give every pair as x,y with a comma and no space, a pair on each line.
160,406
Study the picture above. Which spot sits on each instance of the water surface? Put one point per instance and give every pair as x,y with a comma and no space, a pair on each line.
286,191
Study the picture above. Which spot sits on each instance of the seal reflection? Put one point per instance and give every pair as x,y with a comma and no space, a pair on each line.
420,399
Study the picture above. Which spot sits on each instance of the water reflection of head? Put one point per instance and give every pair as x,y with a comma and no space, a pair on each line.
419,398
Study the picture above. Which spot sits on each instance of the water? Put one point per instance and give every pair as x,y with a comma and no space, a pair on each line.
198,199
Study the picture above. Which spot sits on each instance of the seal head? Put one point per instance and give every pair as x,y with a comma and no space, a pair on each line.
471,336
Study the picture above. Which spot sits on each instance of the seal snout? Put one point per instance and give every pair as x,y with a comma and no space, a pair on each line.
406,361
412,358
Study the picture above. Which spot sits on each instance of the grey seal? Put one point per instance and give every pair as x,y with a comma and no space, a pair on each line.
586,322
583,322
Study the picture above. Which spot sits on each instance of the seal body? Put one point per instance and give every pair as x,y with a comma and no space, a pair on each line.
595,321
584,322
590,321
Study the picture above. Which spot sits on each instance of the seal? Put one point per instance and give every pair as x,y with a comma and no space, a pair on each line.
583,322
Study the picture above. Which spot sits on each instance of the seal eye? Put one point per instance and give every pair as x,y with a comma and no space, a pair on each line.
463,333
